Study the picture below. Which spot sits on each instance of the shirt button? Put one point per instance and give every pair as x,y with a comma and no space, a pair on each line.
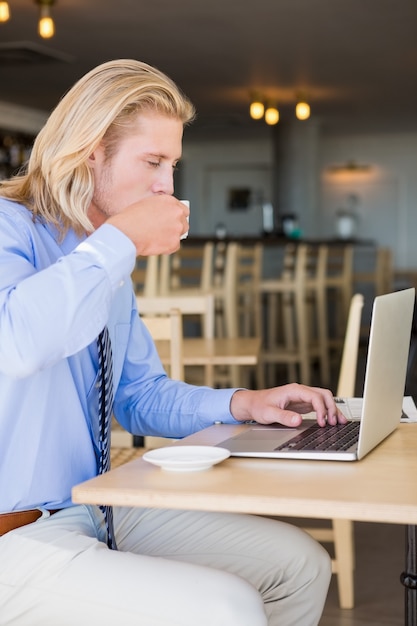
122,282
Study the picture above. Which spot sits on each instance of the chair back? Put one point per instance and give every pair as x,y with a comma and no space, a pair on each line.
168,327
237,289
248,280
189,305
348,366
145,276
339,287
201,305
190,268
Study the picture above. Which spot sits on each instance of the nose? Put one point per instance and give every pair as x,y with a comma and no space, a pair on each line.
164,182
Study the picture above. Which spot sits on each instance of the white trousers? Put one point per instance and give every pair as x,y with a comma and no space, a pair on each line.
173,568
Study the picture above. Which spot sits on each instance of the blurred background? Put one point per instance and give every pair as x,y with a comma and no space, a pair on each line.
351,164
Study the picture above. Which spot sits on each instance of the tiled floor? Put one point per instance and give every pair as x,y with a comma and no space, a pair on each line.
123,455
379,595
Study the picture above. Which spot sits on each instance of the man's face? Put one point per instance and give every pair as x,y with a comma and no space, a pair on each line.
143,165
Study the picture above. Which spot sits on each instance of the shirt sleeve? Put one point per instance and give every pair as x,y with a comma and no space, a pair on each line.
54,302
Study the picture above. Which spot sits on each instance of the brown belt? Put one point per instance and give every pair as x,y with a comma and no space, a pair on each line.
10,521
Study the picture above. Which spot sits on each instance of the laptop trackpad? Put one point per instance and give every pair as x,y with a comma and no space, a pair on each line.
261,433
261,438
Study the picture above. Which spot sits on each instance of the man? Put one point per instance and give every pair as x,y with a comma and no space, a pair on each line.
97,193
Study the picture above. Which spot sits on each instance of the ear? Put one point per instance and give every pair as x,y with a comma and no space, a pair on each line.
92,159
96,156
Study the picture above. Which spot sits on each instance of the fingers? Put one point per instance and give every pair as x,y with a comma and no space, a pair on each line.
287,405
325,408
154,224
187,204
304,399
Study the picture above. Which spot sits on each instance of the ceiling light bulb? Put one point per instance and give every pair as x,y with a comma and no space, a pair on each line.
256,110
302,111
46,27
271,116
4,12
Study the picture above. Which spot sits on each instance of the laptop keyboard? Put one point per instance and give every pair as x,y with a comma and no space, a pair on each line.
340,437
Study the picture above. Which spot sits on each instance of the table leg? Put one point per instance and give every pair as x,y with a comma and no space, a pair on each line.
409,577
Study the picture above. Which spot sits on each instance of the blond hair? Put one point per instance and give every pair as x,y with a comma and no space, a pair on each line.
57,184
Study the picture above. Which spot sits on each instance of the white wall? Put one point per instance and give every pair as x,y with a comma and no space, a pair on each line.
387,195
209,169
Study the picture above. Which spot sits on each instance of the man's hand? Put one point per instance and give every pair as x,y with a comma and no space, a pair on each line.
154,224
286,405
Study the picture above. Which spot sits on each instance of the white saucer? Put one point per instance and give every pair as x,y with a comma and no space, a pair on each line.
186,458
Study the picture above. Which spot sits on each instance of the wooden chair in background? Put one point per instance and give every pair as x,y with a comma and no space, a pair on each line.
145,276
199,304
285,337
379,272
197,269
193,305
236,287
241,290
339,289
166,327
348,364
298,316
294,300
187,270
231,273
340,534
373,275
317,311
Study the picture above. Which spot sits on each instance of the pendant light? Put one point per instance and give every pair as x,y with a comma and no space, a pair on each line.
271,115
46,26
302,110
257,108
4,12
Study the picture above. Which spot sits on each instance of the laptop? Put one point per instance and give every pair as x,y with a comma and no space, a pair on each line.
385,375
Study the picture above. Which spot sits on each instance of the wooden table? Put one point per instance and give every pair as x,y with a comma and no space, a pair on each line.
218,351
380,488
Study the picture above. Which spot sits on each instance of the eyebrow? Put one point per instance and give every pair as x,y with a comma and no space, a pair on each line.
155,155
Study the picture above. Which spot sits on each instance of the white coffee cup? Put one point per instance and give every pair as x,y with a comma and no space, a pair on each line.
187,203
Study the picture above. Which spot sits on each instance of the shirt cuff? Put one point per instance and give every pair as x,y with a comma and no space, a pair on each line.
114,252
218,405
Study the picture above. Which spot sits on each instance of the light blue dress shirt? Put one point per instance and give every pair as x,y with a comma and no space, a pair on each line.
55,298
